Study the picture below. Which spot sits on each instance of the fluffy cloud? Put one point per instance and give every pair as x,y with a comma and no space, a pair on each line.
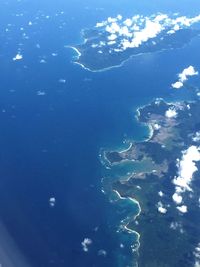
183,76
196,137
160,193
184,21
161,208
182,209
186,169
151,30
111,43
156,126
171,113
112,37
85,244
113,28
128,22
133,32
17,57
190,71
177,85
177,198
101,24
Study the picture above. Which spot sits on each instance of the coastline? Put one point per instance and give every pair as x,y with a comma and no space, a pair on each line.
104,160
106,163
124,61
126,149
125,227
115,66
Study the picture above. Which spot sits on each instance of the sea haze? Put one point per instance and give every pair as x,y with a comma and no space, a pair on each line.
56,117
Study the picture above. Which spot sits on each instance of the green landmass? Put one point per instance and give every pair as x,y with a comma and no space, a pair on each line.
166,239
96,57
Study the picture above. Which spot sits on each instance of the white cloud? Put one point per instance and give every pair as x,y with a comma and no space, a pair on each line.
190,71
160,17
188,106
177,85
113,28
151,30
171,32
101,24
110,20
125,32
133,32
156,126
186,169
102,44
182,208
17,57
43,61
121,245
184,21
176,28
128,22
94,45
119,17
52,201
177,198
135,27
85,243
111,43
112,37
171,113
183,76
160,193
196,137
161,208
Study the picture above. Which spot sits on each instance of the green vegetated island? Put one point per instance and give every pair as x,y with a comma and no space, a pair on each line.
95,54
167,192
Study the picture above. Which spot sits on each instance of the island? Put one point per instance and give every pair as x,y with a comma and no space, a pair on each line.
114,41
164,181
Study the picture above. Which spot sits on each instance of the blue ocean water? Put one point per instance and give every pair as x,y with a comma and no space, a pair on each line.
50,144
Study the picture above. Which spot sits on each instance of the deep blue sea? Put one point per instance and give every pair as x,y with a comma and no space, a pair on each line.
54,119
